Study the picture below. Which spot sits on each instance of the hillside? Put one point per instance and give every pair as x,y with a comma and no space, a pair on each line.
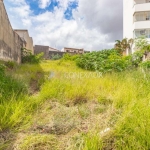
62,107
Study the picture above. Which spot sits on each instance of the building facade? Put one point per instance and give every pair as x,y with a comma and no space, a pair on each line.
73,50
136,19
28,41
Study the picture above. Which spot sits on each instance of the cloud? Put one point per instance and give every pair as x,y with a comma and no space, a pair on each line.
96,24
104,15
44,3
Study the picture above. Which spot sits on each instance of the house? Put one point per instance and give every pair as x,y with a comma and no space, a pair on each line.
73,50
28,41
53,49
136,20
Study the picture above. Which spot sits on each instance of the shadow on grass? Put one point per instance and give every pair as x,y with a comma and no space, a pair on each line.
17,84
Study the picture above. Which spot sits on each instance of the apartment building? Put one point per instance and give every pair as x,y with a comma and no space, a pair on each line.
136,19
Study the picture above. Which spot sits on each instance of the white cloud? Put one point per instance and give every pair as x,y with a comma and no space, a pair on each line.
44,3
94,26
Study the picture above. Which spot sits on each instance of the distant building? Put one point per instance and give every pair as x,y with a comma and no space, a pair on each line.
40,48
28,41
45,49
73,50
53,49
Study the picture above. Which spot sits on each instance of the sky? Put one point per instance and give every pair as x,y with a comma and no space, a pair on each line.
89,24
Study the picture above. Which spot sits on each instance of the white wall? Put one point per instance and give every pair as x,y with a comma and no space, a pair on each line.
128,18
142,7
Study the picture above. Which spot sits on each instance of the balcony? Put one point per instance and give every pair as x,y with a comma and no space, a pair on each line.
141,7
142,16
141,25
141,1
142,33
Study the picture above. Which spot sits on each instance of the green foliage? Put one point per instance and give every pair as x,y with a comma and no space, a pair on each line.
70,57
28,57
122,46
145,64
2,69
124,98
10,64
92,142
104,61
141,43
9,86
137,57
56,57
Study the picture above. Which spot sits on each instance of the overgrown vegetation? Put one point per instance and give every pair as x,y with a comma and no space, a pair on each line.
75,108
9,86
87,113
56,57
28,57
104,61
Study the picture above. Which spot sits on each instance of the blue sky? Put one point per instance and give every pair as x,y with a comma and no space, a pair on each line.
34,6
92,25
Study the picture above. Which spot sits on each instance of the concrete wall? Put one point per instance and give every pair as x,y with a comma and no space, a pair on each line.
25,36
10,42
40,48
128,18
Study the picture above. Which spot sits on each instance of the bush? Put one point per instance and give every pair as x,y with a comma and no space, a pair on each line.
28,57
137,58
2,69
56,57
10,64
70,57
104,61
145,64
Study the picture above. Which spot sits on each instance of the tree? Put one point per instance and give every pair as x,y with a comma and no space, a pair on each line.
124,45
141,43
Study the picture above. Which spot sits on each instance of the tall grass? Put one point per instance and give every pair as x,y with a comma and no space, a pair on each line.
126,92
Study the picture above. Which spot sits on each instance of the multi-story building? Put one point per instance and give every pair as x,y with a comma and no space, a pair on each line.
136,20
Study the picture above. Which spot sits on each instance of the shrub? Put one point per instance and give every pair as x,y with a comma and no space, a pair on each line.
137,58
28,57
56,57
10,64
145,64
104,61
70,57
2,69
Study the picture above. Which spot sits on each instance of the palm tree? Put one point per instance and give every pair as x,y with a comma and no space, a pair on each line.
123,46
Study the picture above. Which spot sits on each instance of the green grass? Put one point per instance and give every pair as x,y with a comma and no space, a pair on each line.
119,101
